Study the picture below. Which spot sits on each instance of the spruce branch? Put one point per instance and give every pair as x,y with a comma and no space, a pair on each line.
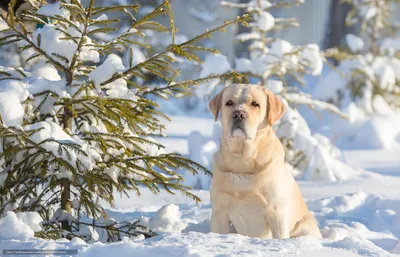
37,48
177,49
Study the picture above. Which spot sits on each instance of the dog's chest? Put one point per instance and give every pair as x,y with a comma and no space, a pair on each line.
244,199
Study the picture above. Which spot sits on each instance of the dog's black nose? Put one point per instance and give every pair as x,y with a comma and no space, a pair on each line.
239,115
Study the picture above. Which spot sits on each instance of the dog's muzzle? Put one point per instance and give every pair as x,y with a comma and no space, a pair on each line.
238,128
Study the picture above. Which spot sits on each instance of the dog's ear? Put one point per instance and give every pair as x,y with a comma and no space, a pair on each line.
275,107
215,104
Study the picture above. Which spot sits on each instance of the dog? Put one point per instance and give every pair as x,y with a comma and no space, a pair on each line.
250,188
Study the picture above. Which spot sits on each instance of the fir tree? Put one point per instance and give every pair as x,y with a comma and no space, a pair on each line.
368,62
80,131
280,66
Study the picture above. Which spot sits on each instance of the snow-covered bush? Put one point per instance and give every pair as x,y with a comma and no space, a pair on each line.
201,150
77,127
367,71
281,67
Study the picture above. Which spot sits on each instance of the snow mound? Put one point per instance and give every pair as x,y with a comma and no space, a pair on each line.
32,219
379,132
166,220
372,223
201,150
11,227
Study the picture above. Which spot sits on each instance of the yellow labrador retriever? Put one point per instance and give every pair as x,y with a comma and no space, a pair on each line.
251,188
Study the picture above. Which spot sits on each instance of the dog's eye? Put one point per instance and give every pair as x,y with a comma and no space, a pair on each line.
254,103
229,103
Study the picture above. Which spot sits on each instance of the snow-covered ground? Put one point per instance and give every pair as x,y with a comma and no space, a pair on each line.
359,216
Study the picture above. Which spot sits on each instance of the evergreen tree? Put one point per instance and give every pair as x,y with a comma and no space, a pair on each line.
367,62
74,132
280,66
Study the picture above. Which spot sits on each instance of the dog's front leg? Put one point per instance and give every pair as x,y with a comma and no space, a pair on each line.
220,222
279,225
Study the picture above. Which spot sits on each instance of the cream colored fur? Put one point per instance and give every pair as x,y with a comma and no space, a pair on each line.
251,188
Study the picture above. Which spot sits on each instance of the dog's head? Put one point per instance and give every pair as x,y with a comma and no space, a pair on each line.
245,109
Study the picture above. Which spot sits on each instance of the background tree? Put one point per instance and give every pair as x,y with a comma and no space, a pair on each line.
78,131
367,63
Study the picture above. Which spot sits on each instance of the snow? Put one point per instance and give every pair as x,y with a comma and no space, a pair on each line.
254,5
166,220
248,36
119,89
265,21
243,65
11,110
32,219
50,130
11,227
276,86
199,244
311,54
336,80
367,12
40,85
390,44
324,158
215,65
54,10
387,77
379,132
52,42
201,150
45,70
137,57
87,231
3,25
203,16
355,43
109,67
280,47
12,94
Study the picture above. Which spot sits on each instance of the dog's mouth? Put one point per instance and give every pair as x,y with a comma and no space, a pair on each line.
238,130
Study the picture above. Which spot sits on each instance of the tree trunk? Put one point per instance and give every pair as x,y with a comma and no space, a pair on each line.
337,28
65,201
65,183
